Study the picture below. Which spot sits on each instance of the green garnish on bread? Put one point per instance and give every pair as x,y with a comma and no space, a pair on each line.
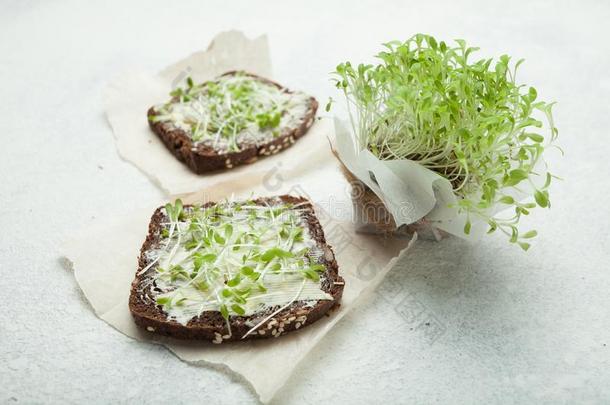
234,270
231,120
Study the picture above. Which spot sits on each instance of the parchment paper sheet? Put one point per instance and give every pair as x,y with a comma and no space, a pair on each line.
128,97
104,259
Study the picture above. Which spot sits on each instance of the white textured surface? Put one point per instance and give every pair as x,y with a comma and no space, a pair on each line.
531,327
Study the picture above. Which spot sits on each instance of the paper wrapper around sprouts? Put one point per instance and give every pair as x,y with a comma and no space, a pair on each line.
128,97
399,195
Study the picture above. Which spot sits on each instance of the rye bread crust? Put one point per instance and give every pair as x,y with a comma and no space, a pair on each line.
202,159
210,325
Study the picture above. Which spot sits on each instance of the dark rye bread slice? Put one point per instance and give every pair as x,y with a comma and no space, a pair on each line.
202,159
210,325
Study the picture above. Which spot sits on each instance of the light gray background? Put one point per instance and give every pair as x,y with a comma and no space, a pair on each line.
516,327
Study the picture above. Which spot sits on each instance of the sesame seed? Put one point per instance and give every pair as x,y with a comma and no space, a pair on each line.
297,325
150,329
271,147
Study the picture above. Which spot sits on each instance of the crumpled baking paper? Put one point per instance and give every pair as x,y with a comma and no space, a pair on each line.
409,191
129,96
104,260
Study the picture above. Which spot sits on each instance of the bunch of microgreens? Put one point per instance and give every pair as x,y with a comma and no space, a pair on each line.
221,110
467,120
231,247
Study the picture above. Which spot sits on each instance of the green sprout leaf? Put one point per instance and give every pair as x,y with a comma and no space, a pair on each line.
467,227
238,309
201,285
529,235
234,281
192,244
219,239
542,198
174,212
317,267
311,274
199,259
515,177
275,252
329,104
224,311
507,200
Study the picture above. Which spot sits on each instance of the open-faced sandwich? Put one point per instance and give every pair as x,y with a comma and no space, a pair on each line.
234,270
232,120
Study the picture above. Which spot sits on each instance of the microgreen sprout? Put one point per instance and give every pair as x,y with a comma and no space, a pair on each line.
329,104
174,212
467,120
